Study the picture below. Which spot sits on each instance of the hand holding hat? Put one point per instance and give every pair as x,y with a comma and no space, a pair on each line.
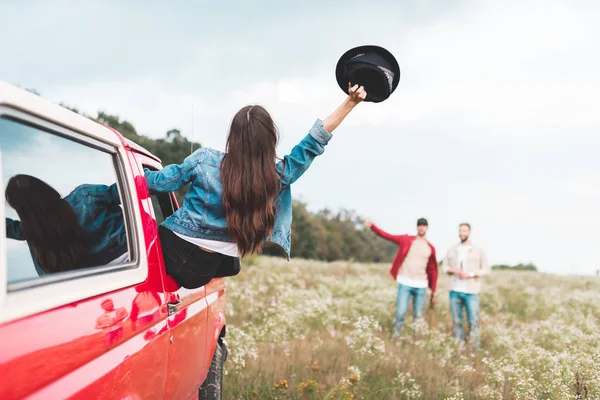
372,67
356,93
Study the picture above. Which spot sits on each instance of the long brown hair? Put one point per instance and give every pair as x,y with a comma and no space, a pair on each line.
48,223
250,180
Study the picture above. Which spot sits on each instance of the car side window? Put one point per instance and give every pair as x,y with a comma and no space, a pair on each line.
157,210
64,211
162,203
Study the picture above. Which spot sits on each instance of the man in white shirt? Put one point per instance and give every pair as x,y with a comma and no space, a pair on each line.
468,264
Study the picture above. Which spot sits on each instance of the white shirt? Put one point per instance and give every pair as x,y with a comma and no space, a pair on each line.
225,248
460,285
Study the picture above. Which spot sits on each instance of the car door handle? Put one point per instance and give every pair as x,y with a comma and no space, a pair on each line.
172,306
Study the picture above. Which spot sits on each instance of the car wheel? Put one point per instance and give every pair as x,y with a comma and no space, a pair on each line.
212,388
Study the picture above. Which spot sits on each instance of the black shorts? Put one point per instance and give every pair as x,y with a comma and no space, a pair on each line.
189,265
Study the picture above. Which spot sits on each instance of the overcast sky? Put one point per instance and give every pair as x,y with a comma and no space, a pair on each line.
496,119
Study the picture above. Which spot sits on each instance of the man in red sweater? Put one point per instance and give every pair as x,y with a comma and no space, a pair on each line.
414,268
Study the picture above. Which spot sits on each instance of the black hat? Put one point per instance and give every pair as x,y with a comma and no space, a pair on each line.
373,67
422,222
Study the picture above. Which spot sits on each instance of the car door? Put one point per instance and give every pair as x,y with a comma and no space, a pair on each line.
188,357
76,331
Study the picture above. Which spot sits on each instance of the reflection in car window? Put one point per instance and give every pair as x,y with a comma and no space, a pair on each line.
63,207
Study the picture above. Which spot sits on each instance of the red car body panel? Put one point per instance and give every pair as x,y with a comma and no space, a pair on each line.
122,344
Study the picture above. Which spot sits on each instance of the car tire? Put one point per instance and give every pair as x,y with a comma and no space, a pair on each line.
212,388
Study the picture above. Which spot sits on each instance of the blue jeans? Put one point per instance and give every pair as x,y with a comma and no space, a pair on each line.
404,295
470,302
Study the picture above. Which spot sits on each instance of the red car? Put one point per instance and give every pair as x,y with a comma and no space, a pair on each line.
111,324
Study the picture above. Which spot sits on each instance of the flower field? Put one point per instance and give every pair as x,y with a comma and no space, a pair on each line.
315,330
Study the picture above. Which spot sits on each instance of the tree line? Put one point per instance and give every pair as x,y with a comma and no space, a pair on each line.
518,267
330,236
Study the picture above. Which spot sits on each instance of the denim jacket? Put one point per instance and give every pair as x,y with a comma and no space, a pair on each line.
202,214
99,213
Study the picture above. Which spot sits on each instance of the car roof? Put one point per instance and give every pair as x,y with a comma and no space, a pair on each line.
137,148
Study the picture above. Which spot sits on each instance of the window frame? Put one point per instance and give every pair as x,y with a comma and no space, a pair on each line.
28,297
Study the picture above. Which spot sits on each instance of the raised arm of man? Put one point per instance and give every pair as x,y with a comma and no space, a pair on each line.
383,234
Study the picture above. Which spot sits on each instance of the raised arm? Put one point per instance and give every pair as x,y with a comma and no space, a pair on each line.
356,95
302,155
172,177
381,233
